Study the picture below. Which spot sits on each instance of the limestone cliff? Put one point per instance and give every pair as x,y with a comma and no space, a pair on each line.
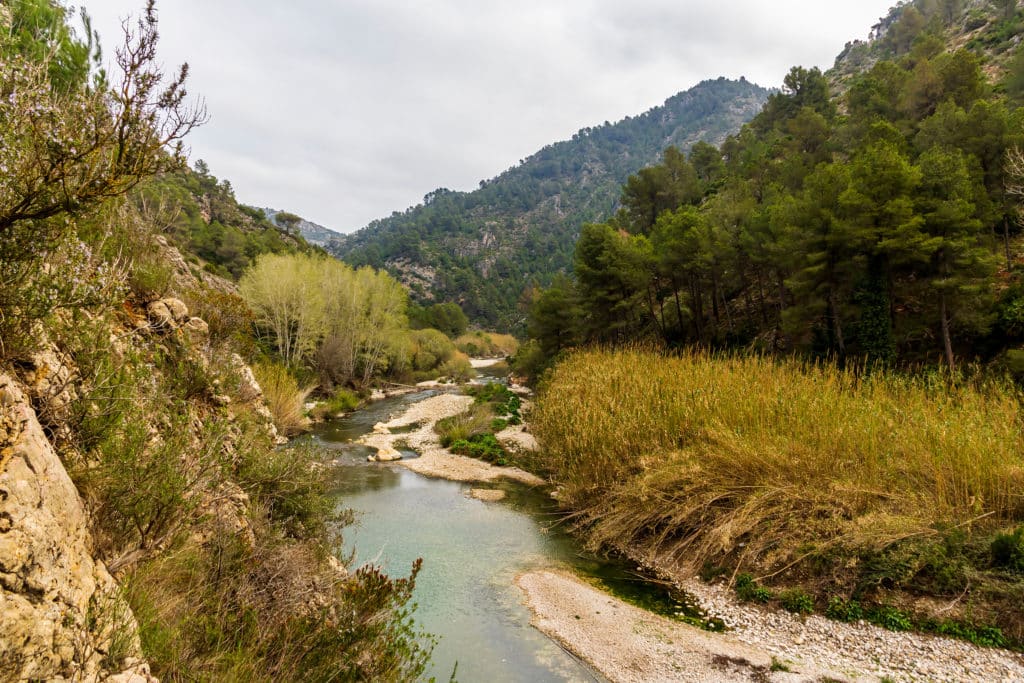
62,617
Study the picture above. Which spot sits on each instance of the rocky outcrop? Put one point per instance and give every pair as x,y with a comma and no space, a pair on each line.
61,617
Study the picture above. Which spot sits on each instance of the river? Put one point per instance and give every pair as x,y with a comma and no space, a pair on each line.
471,550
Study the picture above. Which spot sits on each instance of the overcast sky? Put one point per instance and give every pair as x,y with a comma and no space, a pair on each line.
345,110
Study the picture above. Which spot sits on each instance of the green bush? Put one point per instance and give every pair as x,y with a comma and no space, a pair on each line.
474,422
286,483
796,601
748,590
341,401
844,610
1008,550
890,617
483,447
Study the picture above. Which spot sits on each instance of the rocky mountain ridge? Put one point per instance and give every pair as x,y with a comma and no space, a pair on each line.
483,248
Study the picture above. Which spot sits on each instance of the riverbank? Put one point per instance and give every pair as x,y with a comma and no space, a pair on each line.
627,644
434,460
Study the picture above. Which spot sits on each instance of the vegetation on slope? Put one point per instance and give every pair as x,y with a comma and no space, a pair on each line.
483,249
990,29
221,541
862,486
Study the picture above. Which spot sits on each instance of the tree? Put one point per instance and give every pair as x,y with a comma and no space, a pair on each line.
286,295
288,222
1007,8
960,258
554,317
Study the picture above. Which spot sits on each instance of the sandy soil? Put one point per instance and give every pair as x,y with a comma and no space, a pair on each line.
434,460
630,645
484,362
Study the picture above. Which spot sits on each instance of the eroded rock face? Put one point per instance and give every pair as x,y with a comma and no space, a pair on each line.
60,617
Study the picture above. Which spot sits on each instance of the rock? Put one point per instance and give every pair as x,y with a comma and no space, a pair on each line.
197,328
160,316
59,607
177,308
50,381
488,495
381,428
248,388
385,454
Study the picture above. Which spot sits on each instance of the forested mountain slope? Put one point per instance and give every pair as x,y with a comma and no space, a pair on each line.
991,29
868,214
483,248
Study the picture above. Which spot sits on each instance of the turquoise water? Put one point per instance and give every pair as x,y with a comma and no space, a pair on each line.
472,552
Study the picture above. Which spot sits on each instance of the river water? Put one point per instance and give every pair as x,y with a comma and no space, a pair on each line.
471,552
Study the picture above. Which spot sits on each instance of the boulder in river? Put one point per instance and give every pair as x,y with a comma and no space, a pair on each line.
385,454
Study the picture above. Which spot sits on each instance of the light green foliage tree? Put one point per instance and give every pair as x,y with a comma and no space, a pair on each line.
318,310
286,296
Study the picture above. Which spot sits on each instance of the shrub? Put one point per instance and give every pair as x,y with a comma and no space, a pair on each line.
341,401
458,368
285,483
844,610
1008,550
796,601
481,446
284,398
474,422
273,611
748,591
890,617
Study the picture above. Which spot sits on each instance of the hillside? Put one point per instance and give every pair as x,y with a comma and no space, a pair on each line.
483,248
990,30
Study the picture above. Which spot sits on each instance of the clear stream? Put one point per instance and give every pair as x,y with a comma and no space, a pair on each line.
471,553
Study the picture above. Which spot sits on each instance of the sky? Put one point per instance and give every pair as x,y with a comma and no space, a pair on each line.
343,111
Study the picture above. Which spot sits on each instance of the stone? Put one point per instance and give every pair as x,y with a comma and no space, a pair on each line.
160,316
177,308
381,428
196,328
49,577
386,454
248,388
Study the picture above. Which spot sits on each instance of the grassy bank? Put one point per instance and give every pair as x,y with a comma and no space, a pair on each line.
876,488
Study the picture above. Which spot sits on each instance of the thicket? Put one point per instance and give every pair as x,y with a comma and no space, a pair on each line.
880,225
851,483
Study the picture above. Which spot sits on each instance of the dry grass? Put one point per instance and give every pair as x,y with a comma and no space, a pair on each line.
285,399
764,462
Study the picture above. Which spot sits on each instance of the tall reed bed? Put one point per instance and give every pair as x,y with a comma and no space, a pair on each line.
763,462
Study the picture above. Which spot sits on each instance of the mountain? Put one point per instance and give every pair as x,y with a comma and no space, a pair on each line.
483,248
314,233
